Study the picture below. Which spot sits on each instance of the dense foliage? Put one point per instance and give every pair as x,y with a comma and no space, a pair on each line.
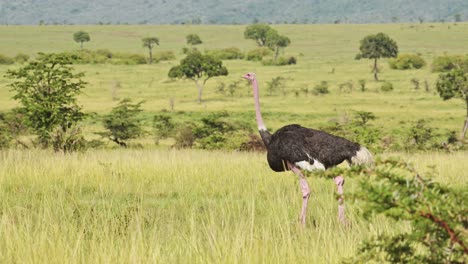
47,89
124,122
407,61
437,215
455,84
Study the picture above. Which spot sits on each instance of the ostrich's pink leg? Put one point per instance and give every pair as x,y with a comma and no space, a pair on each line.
339,181
305,191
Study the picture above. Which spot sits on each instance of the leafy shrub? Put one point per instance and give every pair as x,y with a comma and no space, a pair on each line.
68,140
280,61
6,60
231,53
407,61
436,215
258,54
123,123
386,87
420,135
184,137
163,127
275,84
164,56
362,85
21,58
448,62
5,133
358,130
321,88
129,59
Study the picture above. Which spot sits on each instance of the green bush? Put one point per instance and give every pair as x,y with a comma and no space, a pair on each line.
448,62
386,87
258,54
6,60
420,136
407,61
164,56
280,61
128,59
21,58
163,127
321,88
231,53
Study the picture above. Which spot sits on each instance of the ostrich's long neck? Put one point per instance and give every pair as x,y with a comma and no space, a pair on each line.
258,114
266,136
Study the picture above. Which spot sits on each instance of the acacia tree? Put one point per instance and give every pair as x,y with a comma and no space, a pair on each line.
275,41
124,122
455,84
257,32
149,43
47,89
193,39
198,68
375,47
80,37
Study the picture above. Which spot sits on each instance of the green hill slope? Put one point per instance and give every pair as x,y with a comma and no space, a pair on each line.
229,12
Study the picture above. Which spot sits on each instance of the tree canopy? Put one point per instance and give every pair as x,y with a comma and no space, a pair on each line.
377,46
149,43
196,67
193,39
454,84
46,89
80,37
257,32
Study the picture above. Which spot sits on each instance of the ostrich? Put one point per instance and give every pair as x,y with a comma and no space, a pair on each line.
294,147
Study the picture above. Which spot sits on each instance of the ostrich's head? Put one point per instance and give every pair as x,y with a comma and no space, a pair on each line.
249,76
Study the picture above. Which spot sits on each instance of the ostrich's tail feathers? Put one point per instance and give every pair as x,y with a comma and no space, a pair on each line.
363,157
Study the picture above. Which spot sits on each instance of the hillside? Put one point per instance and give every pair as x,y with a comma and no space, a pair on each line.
229,12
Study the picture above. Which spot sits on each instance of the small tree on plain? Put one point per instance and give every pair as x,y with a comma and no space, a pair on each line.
81,37
375,47
257,32
123,123
275,41
198,68
455,84
149,43
47,89
193,39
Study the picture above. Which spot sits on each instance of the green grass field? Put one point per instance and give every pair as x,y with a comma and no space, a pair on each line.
192,206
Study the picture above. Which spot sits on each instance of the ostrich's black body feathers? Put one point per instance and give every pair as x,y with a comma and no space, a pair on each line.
295,143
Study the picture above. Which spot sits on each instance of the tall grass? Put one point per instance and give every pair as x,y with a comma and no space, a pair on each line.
121,206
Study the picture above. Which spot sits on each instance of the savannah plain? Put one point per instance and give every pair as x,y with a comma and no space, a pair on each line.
157,204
